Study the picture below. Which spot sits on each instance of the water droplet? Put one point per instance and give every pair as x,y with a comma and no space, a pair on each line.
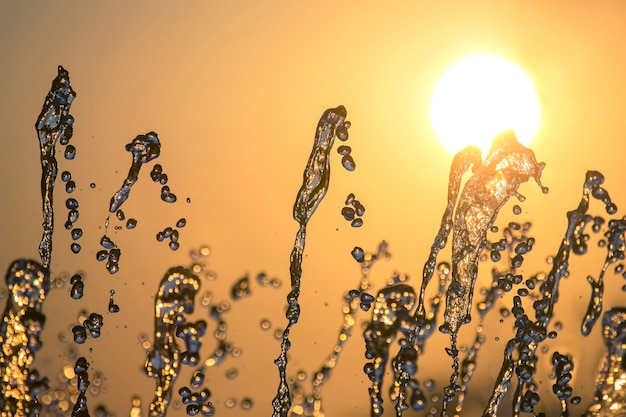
357,222
359,208
131,223
174,245
70,152
167,195
72,216
348,163
106,242
66,176
94,324
265,324
77,290
92,185
75,247
70,187
181,223
517,209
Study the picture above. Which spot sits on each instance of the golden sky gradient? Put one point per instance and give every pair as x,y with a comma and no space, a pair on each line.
234,90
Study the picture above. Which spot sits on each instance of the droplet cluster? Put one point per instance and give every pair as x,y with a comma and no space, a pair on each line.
172,234
353,211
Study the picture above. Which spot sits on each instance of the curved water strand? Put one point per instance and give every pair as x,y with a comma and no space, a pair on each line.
507,165
315,182
55,123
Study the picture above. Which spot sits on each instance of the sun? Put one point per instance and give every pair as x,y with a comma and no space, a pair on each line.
479,97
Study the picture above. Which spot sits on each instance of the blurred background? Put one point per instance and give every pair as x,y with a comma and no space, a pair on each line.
234,91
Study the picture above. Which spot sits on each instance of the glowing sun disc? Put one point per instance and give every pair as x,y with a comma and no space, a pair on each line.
479,97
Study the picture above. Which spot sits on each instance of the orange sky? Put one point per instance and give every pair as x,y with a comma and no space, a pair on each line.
234,91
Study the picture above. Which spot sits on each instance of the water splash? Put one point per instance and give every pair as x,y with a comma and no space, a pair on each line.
315,182
615,252
531,333
610,394
310,405
55,123
28,283
174,298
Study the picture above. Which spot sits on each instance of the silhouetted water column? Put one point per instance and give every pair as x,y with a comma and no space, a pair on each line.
22,322
53,124
315,182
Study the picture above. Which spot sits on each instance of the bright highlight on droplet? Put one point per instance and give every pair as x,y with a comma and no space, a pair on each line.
479,97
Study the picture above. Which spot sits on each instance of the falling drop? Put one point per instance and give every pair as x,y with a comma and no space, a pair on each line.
76,233
348,163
